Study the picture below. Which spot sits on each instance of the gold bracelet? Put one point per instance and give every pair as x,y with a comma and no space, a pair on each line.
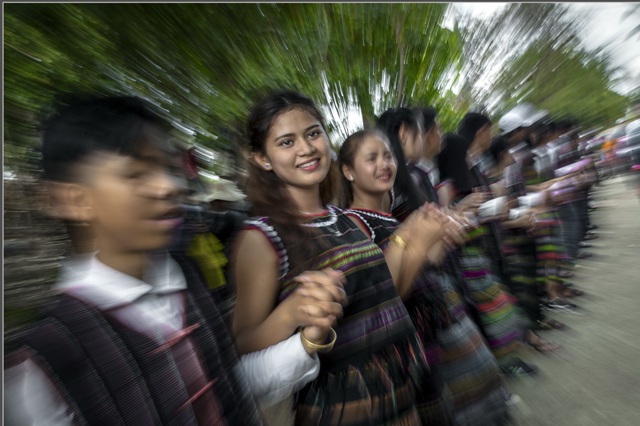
319,348
398,240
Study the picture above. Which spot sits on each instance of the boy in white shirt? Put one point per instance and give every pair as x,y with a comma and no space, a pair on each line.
135,337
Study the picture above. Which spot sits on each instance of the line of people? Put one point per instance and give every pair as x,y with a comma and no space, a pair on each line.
392,286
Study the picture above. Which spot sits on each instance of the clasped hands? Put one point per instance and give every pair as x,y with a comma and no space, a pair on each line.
317,302
433,230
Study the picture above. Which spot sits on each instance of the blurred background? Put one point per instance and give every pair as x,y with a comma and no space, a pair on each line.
204,64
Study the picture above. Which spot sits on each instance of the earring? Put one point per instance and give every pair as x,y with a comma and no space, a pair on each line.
350,178
267,166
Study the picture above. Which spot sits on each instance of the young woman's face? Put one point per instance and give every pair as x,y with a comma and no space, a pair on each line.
374,167
412,145
432,141
297,150
483,138
506,159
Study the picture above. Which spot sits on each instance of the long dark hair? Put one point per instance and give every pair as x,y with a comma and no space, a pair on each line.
471,123
452,163
346,156
404,188
499,145
267,193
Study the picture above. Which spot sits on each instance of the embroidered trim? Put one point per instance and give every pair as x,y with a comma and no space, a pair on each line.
333,218
269,231
357,214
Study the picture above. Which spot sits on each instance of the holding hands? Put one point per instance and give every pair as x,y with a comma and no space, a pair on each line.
316,305
471,202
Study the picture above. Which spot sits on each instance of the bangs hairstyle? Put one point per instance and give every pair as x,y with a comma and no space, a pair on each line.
346,156
84,126
499,145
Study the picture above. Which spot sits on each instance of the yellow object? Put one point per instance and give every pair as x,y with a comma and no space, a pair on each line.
208,252
320,348
398,240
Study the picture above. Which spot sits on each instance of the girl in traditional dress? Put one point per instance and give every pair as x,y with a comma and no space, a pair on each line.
373,361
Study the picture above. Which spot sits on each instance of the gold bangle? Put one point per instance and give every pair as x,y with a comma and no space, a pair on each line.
398,240
319,348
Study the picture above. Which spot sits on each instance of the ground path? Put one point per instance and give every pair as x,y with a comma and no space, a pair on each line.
595,379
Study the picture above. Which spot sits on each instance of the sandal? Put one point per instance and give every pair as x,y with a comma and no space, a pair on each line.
566,274
572,292
550,324
541,345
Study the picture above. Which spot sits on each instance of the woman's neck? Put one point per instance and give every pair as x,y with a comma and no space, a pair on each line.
474,152
307,200
366,201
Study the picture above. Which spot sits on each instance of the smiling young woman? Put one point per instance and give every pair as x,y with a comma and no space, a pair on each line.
372,374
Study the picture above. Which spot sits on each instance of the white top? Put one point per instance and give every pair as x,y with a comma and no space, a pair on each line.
431,168
272,374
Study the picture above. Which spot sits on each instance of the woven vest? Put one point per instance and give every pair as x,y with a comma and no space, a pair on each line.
113,375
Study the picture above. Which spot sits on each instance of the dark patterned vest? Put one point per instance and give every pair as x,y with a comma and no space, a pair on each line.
111,374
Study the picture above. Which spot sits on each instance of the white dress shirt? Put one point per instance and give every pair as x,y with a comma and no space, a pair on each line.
157,309
430,167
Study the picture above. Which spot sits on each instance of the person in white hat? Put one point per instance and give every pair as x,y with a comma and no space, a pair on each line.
220,194
516,126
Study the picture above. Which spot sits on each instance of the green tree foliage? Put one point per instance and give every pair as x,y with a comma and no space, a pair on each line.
556,77
203,64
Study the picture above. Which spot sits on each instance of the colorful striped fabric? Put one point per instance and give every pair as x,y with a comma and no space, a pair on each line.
370,376
429,313
498,317
550,250
469,367
519,249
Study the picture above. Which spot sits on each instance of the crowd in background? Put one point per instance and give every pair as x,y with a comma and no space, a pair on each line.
398,283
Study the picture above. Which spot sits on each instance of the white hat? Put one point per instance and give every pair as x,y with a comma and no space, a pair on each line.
522,115
534,118
219,189
510,122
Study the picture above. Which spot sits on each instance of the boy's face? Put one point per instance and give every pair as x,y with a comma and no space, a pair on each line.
131,202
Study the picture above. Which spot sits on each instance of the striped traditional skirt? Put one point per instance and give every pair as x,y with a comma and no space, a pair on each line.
550,251
470,369
520,264
499,320
381,391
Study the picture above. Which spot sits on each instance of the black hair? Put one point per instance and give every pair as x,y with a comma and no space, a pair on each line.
471,123
426,116
390,122
265,112
499,145
346,156
268,194
452,163
86,125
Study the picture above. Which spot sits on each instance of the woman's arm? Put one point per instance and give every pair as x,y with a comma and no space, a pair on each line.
409,247
259,322
403,266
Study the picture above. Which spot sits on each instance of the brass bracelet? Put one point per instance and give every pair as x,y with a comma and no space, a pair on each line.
316,347
398,240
